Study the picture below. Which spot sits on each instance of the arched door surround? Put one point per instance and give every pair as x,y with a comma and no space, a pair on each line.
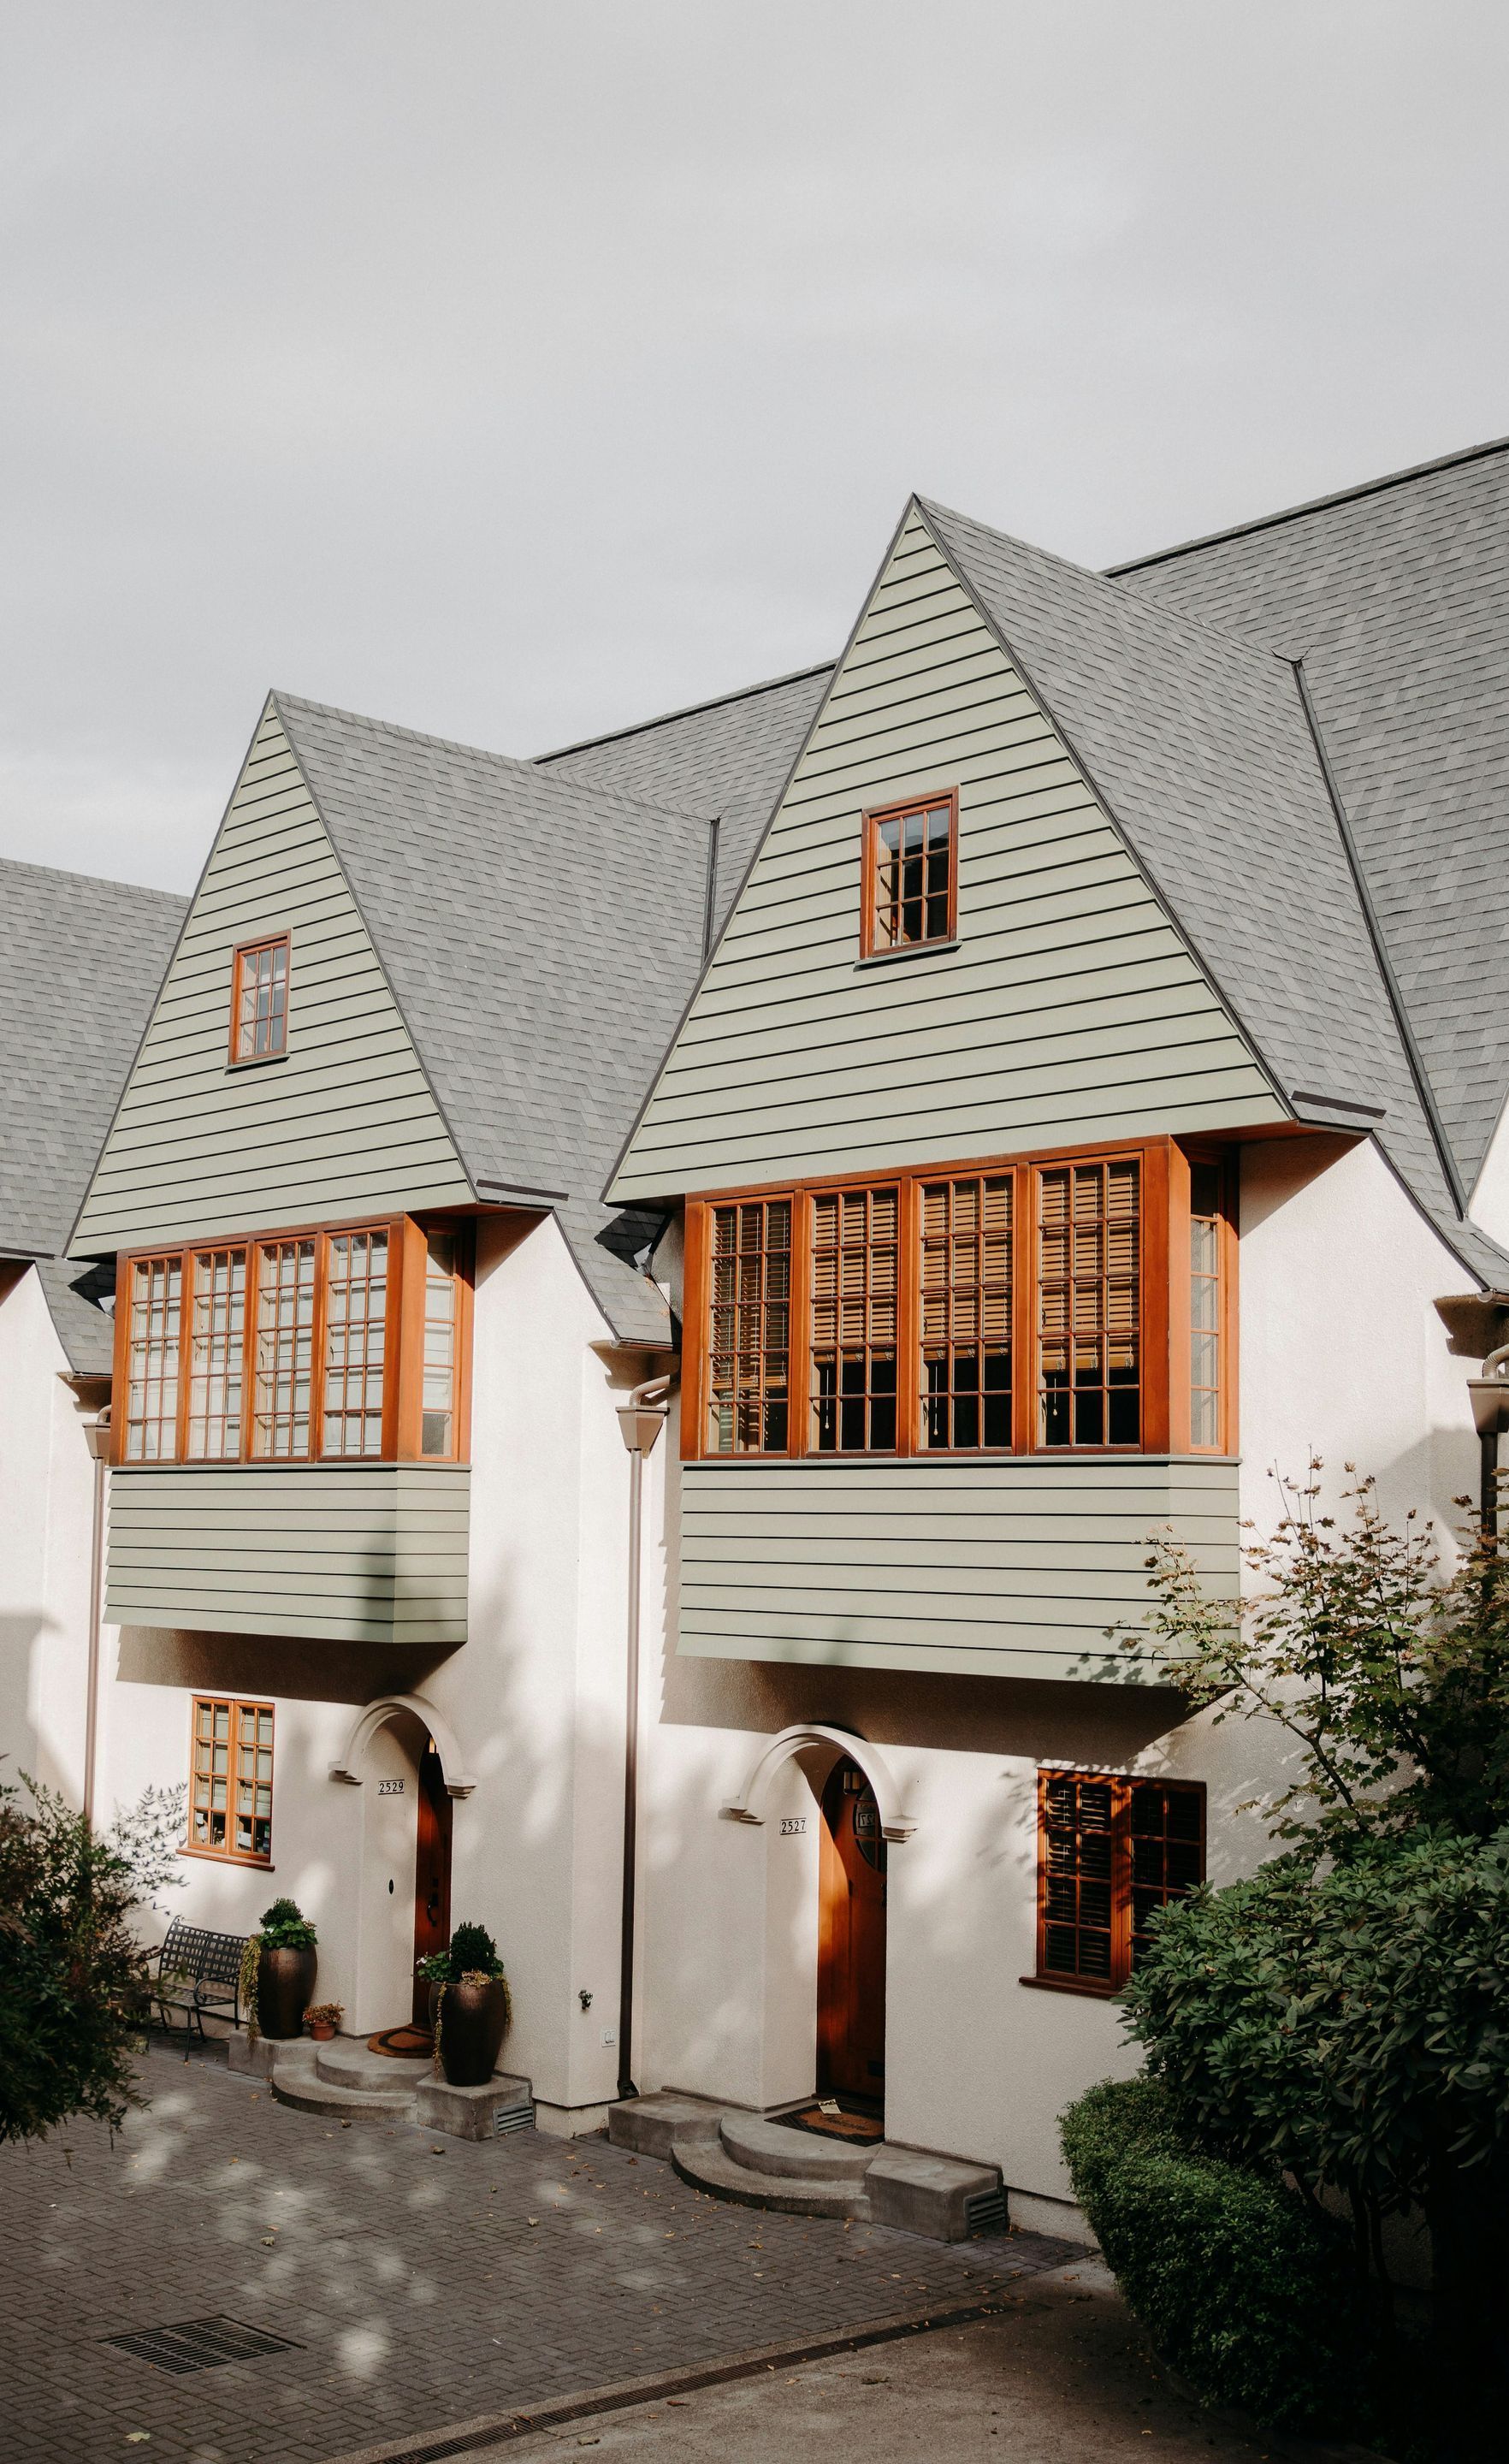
352,1765
896,1821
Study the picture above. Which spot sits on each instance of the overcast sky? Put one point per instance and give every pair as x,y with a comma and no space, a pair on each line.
515,372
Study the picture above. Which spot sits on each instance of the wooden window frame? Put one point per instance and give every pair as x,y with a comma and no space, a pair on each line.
403,1363
1164,1322
871,821
243,951
1124,1787
236,1705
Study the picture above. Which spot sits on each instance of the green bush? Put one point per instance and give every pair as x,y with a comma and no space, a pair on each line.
472,1952
1246,2289
286,1928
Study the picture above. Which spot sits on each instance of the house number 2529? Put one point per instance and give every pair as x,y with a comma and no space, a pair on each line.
390,1788
793,1825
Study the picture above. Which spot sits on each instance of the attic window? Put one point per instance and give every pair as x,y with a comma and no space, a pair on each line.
259,1000
910,876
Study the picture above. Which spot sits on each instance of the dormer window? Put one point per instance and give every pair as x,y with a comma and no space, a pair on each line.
259,1000
910,876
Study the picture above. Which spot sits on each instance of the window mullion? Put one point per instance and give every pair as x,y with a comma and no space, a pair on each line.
909,1297
799,1364
186,1354
1121,1881
316,1359
1025,1314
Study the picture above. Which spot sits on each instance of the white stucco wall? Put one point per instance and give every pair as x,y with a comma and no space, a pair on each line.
1342,1355
46,1518
1489,1199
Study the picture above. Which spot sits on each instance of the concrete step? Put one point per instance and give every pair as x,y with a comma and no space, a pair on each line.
707,2165
296,2082
649,2126
345,2061
798,2155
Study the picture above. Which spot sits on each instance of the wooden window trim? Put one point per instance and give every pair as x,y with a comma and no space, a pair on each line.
237,1704
1184,1153
243,951
1124,1787
403,1338
870,822
1164,1212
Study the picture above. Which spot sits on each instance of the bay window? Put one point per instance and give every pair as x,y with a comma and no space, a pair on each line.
319,1345
1055,1304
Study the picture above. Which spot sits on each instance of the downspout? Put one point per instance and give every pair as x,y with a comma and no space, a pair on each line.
641,1420
96,1436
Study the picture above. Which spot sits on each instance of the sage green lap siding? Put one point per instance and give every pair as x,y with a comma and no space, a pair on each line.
1072,1011
1013,1568
345,1125
362,1552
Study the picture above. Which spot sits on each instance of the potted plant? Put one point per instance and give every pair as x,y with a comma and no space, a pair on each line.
469,2006
323,2020
281,1958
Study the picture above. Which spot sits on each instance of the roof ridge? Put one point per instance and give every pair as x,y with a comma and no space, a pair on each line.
1247,645
97,880
690,710
1313,505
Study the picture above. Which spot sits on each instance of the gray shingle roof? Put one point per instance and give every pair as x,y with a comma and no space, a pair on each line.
540,932
728,757
1397,594
81,961
1198,744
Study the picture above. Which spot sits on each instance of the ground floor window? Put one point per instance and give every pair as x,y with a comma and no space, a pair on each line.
1110,1851
231,1780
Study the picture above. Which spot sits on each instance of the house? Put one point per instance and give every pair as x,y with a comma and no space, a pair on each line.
81,961
999,1095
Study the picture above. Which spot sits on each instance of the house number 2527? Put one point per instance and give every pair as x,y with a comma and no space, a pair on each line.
390,1788
793,1825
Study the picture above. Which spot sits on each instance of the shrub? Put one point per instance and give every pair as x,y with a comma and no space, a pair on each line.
73,1977
1245,2289
472,1952
286,1928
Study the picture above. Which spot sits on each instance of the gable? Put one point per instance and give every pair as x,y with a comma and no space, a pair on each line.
344,1124
1071,1011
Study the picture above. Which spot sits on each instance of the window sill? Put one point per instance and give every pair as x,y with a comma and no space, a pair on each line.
258,1060
310,1462
908,950
228,1857
1085,1992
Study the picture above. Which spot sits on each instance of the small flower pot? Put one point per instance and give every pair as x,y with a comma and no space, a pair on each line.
285,1986
472,2019
321,2031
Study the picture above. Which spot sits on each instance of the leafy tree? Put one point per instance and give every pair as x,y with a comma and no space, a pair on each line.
1393,1680
72,1978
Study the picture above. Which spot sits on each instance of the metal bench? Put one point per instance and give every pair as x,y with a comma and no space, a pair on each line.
195,1971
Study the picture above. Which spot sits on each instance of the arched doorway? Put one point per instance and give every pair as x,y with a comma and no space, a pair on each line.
851,1941
431,1870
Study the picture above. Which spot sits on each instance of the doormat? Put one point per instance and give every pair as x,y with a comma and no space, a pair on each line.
403,2043
866,2127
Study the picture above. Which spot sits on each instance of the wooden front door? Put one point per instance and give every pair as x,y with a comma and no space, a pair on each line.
851,1940
431,1872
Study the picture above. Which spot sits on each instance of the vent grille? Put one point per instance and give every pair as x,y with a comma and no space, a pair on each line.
986,2212
201,2344
512,2117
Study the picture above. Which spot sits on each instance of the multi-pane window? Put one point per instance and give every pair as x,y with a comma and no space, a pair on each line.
216,1353
231,1780
285,1350
965,1260
438,1381
355,1342
981,1310
1111,1851
1089,1296
909,875
749,1357
856,1279
259,1000
154,1343
1205,1305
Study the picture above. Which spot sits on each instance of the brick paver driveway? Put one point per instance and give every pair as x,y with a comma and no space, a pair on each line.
420,2288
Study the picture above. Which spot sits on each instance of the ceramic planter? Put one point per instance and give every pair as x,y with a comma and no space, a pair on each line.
472,2019
285,1986
321,2031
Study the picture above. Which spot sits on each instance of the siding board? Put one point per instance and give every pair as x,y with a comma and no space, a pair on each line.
1010,1568
373,1552
1044,1028
345,1125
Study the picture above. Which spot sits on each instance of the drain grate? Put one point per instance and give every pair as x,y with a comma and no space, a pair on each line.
201,2344
986,2212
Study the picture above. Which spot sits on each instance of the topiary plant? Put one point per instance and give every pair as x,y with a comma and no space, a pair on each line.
286,1928
473,1952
